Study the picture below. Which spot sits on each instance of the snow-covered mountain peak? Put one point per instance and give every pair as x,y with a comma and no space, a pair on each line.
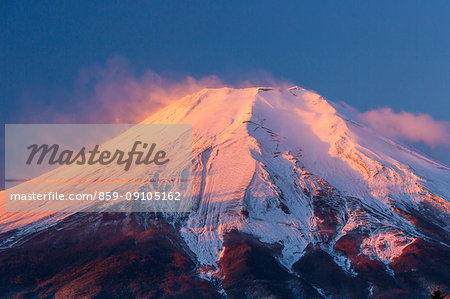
297,172
265,158
298,120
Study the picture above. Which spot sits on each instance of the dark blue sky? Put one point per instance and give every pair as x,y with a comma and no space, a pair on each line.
369,54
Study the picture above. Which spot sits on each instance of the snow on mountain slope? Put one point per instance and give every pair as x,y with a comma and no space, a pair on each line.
292,169
260,153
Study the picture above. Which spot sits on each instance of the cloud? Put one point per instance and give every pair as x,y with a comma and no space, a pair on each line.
409,126
115,93
109,93
119,96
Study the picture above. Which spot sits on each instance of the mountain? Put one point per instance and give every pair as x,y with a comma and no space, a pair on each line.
292,197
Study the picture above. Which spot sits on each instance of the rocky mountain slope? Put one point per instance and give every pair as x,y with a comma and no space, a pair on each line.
292,197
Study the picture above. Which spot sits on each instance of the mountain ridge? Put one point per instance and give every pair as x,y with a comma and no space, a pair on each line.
285,175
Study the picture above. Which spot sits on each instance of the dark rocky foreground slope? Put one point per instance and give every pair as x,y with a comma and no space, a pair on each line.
140,255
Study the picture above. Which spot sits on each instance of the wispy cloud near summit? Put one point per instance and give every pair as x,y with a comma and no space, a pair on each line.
409,126
116,93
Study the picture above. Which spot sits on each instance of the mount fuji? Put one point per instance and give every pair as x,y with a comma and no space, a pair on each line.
293,197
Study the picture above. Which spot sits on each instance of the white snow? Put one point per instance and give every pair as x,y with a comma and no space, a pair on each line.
258,150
